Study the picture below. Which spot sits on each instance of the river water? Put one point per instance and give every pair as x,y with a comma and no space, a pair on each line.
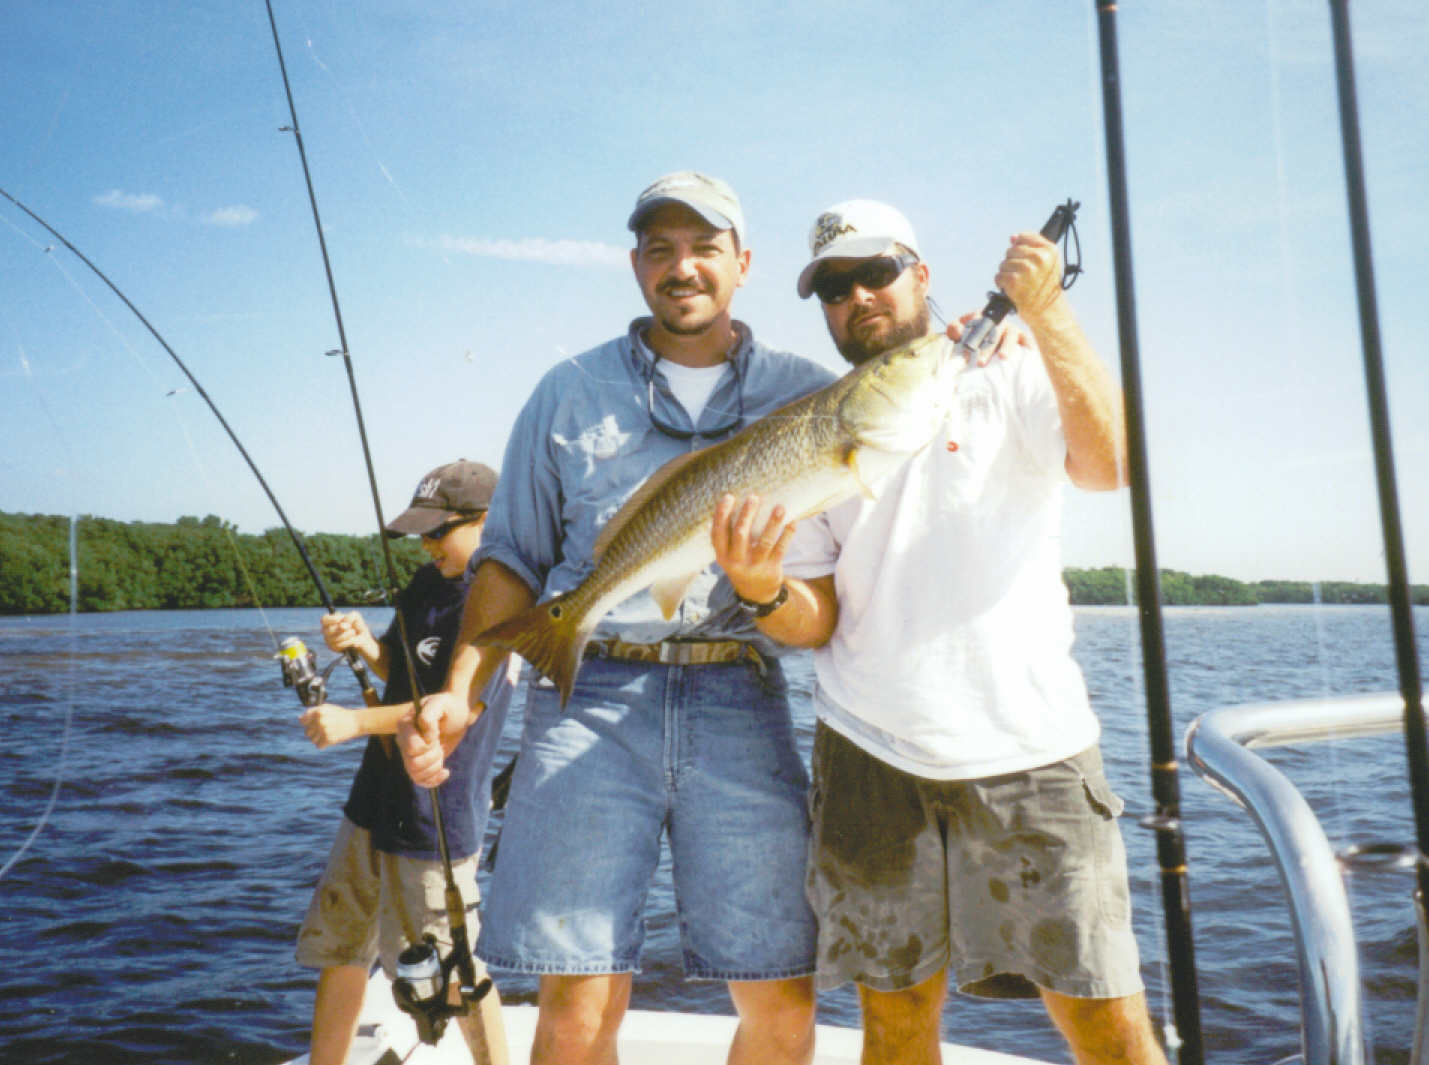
183,819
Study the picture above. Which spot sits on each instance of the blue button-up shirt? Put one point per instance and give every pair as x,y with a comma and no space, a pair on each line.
586,440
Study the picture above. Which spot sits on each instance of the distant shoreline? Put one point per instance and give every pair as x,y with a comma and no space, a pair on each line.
1111,586
205,563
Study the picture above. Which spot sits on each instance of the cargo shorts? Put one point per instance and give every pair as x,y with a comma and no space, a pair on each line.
1011,883
370,904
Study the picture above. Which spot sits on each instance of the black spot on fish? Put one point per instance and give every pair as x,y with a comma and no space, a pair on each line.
997,889
1031,878
556,612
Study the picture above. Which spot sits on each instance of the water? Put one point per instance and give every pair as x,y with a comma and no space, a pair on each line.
152,917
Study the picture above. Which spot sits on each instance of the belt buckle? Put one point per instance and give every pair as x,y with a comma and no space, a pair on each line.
673,653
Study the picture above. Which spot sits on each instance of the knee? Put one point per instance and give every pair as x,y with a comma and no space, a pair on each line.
908,1016
577,1020
777,1015
1109,1031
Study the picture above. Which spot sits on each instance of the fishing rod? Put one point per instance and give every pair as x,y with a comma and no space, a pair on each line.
423,977
299,665
1186,1039
1406,657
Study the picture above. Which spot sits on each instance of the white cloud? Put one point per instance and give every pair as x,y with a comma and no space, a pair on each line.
236,215
539,250
139,203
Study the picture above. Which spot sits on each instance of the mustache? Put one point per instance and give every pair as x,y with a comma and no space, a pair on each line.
665,287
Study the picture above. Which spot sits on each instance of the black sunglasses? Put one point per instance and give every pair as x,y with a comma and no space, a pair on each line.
447,526
835,287
676,433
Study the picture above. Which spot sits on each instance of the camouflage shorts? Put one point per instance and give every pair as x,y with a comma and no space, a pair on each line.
371,904
1029,889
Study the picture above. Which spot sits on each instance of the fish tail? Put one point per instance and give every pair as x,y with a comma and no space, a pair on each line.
552,636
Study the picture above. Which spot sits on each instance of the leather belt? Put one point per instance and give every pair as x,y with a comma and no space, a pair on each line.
677,652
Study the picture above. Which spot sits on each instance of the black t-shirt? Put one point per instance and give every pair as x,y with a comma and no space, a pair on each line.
383,799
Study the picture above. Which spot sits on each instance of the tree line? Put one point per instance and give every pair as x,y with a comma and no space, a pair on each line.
1113,585
195,563
203,563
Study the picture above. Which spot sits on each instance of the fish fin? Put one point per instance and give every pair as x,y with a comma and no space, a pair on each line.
652,485
551,635
851,461
667,593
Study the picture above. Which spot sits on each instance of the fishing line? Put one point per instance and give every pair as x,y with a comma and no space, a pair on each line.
143,364
431,1014
73,636
355,663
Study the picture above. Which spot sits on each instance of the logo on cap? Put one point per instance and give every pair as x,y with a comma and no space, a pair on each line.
828,228
428,488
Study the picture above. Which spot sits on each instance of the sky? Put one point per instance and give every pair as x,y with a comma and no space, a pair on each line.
474,166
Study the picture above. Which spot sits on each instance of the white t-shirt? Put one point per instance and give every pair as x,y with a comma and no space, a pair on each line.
952,656
692,385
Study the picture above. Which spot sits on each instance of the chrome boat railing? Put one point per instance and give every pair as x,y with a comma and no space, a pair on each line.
1219,746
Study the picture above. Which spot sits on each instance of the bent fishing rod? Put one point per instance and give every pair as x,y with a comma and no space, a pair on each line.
298,663
423,977
1416,742
1186,1041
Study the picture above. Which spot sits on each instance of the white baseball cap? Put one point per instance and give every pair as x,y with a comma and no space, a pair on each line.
709,197
855,229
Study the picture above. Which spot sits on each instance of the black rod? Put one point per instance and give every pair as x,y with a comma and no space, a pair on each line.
456,911
1401,608
1170,843
359,668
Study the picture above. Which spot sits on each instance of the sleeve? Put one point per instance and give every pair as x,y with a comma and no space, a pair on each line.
523,524
814,551
1036,414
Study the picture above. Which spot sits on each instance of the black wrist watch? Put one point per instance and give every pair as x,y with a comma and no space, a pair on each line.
763,610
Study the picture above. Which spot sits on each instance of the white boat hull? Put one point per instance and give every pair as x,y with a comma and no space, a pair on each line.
647,1037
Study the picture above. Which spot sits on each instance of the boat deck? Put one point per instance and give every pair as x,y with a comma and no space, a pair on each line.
386,1036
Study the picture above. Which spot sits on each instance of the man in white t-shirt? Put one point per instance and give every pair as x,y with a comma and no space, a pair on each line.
962,822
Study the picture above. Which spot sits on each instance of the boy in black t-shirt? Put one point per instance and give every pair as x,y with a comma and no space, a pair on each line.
383,885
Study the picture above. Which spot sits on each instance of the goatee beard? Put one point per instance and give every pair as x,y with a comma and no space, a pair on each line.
858,351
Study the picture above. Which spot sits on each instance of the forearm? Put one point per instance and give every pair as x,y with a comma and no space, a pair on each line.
378,658
496,594
807,617
381,720
1088,399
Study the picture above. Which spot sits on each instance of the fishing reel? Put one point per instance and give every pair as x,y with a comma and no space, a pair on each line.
422,989
301,673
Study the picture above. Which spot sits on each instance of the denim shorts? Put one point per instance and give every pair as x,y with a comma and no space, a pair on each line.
1011,882
701,755
371,904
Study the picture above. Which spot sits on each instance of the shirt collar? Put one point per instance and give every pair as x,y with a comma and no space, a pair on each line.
645,357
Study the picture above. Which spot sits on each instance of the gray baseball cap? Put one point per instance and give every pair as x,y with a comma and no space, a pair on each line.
709,197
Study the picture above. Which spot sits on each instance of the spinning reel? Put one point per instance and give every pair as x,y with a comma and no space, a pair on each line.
301,673
423,988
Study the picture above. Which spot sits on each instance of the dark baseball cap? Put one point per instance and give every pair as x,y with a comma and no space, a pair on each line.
457,490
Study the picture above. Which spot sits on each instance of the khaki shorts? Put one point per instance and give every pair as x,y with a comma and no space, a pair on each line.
371,905
1011,883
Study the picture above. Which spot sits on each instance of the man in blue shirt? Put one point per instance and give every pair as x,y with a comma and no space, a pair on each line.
677,727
